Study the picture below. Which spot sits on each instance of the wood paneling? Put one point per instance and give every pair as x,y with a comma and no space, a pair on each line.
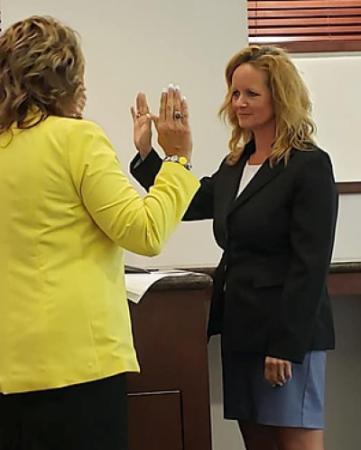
169,328
155,421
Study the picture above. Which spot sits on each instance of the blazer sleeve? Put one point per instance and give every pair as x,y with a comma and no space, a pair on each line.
312,231
140,225
202,204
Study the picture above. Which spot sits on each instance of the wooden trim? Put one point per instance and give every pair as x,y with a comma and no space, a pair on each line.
349,187
312,46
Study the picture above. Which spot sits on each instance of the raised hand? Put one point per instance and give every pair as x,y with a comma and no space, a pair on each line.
142,125
174,134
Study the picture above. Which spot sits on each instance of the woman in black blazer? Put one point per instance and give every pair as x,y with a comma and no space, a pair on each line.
273,202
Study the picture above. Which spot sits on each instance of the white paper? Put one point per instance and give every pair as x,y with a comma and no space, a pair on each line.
137,284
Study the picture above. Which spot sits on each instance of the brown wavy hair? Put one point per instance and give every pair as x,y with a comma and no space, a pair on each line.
291,101
41,72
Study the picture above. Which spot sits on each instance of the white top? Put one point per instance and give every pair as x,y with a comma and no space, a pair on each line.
249,172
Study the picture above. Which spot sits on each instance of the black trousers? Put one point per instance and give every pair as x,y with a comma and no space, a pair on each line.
87,416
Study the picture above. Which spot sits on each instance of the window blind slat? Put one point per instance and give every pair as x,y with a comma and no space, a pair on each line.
335,22
314,31
301,13
297,4
305,38
319,21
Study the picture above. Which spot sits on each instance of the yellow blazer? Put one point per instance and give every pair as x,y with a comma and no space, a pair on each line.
67,213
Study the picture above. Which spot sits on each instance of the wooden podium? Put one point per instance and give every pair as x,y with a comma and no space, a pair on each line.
169,401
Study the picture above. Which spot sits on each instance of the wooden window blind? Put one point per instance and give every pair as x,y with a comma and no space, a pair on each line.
306,25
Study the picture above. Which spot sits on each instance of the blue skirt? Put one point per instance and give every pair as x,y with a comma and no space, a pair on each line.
249,397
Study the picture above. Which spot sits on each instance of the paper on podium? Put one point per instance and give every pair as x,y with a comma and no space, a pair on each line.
137,284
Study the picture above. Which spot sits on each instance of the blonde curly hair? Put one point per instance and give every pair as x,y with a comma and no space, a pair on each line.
291,101
41,71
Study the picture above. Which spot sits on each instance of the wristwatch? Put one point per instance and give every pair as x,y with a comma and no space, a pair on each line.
183,160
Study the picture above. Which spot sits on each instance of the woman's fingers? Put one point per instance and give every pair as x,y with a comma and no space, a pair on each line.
141,107
184,111
281,377
142,104
277,371
162,105
288,370
270,370
142,129
171,102
177,102
173,106
169,109
173,136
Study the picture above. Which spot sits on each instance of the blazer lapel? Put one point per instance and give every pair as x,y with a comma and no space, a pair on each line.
261,179
231,177
227,188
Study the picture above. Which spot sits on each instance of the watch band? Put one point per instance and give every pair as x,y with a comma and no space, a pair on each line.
183,160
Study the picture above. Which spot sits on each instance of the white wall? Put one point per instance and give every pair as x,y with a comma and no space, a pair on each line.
146,44
334,82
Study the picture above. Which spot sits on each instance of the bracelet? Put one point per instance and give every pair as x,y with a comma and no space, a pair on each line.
182,160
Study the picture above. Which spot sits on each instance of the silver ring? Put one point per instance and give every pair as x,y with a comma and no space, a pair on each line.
177,115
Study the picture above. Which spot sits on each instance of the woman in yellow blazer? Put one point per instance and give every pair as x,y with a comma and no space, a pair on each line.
68,211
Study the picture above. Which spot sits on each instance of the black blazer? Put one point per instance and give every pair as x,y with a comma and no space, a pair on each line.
270,293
